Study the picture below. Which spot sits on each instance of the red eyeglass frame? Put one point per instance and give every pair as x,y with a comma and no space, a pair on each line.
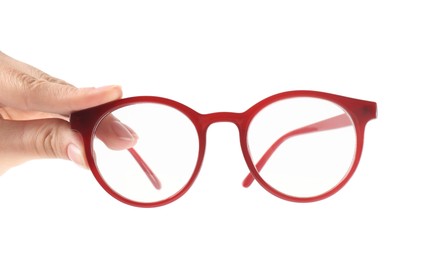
360,111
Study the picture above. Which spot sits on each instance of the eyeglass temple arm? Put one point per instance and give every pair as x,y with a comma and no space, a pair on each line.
151,176
327,124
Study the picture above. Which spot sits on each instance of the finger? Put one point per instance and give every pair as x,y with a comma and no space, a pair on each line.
25,87
29,70
20,115
46,138
116,135
22,91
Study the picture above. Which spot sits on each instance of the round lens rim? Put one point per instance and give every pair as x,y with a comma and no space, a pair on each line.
360,112
99,113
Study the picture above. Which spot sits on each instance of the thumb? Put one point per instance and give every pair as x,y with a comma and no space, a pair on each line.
37,139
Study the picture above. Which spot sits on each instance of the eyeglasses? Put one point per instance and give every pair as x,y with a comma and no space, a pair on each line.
300,146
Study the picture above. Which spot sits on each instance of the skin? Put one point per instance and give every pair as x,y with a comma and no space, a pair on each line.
33,116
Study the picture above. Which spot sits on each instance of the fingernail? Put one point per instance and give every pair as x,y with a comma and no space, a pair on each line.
102,87
108,87
124,132
75,155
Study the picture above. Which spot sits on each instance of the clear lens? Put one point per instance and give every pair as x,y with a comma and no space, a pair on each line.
146,152
311,143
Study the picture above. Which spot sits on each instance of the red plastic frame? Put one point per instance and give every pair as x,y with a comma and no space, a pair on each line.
360,111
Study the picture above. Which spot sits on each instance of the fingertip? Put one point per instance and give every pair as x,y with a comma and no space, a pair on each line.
114,90
75,154
94,96
75,150
109,92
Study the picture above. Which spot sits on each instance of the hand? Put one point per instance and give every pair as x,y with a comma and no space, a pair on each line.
34,109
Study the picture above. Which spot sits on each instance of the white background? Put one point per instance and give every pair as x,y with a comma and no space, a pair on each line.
225,56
